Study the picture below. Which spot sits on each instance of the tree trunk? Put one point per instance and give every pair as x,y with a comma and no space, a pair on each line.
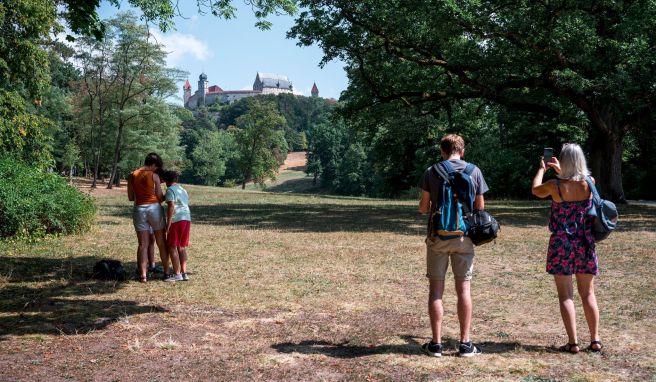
117,178
606,162
96,166
117,152
247,177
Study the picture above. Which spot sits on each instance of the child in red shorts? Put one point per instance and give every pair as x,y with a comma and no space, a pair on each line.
178,222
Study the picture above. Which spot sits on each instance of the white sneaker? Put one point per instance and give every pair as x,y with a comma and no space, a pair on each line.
173,278
468,349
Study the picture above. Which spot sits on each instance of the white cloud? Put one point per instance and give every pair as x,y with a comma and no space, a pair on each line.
182,46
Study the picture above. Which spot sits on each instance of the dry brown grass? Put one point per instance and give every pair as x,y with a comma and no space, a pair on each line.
303,287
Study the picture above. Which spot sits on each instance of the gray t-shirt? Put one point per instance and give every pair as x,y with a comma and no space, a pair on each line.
432,181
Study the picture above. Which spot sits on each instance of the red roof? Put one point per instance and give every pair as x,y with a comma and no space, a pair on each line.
214,89
242,92
314,88
187,85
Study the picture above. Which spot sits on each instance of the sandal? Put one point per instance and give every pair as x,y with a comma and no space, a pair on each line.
597,350
569,348
143,279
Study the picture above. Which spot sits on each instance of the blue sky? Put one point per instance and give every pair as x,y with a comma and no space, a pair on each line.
231,52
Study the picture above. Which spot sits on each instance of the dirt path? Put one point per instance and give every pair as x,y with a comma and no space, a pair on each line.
296,161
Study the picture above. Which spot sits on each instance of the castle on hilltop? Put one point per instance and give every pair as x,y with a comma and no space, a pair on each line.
265,83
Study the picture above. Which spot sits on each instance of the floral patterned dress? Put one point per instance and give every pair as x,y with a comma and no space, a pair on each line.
571,246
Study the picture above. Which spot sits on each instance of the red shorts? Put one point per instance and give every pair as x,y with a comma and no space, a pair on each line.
178,235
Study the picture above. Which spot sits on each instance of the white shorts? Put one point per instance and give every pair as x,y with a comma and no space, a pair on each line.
148,215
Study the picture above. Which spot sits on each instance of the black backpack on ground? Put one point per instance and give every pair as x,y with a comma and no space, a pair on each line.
108,270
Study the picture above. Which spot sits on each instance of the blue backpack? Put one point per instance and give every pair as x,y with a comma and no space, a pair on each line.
455,202
604,212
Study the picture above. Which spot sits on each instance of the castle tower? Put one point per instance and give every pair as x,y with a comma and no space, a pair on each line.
315,90
187,92
202,89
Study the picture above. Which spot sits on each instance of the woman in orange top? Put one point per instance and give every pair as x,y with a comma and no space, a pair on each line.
145,190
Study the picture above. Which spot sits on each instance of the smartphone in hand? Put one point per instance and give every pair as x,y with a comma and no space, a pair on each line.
547,155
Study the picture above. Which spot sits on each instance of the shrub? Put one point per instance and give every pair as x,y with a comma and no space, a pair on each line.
35,203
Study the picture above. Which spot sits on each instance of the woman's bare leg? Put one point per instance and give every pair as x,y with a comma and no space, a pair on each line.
585,285
151,250
567,310
143,238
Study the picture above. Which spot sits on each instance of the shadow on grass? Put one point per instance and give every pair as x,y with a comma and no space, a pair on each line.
298,186
631,217
411,346
520,216
636,218
369,215
55,296
105,222
344,350
314,217
385,218
296,168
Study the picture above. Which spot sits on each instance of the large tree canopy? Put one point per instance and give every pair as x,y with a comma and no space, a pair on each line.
82,16
591,64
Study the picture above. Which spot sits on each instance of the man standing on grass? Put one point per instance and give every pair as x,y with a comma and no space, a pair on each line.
458,249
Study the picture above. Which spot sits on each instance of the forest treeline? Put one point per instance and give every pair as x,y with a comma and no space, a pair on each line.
510,78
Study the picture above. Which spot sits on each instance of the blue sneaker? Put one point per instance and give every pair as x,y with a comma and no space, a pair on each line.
432,349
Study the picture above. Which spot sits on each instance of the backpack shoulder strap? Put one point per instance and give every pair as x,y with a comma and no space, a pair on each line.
469,169
593,190
447,166
441,171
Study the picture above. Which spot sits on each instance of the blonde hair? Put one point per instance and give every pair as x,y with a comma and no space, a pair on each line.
572,163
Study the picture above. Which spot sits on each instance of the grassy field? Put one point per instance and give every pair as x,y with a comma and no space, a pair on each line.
289,286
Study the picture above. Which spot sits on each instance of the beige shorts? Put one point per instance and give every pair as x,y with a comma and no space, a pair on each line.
461,253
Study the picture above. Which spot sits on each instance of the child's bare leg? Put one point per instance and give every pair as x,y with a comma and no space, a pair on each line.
175,259
182,252
163,253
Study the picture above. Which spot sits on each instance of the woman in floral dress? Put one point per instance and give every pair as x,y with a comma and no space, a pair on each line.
571,246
